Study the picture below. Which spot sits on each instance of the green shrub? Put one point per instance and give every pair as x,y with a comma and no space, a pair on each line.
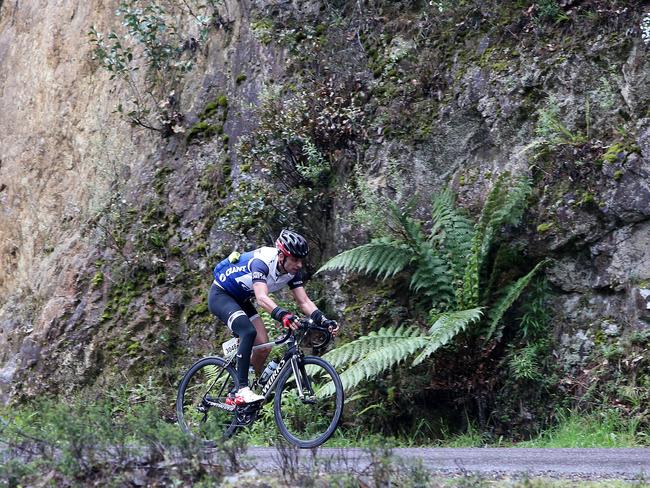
102,439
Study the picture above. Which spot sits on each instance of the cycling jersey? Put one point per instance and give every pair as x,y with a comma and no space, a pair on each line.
260,265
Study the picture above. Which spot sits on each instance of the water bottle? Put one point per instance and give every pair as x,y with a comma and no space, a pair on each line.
268,371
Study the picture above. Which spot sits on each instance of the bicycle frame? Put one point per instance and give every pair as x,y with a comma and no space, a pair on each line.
290,359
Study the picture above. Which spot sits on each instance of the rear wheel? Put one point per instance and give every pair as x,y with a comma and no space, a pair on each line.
310,420
201,401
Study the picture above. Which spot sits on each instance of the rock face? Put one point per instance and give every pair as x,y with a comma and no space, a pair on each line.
108,231
54,170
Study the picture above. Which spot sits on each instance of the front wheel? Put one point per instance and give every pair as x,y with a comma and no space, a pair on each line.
308,420
201,406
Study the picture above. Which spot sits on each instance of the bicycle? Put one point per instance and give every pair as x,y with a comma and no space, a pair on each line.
308,393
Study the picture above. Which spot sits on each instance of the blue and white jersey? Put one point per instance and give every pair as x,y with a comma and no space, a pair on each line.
259,265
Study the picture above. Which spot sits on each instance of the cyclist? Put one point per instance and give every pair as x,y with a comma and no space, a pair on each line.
255,274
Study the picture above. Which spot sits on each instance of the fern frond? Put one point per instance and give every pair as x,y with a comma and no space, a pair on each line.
364,345
448,223
212,373
502,305
445,327
432,277
383,257
409,228
452,231
515,202
403,342
505,204
468,294
373,354
442,208
493,202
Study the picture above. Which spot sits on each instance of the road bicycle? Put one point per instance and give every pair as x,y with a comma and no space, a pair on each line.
308,394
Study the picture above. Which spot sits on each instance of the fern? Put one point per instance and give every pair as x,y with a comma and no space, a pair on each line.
373,354
382,257
442,214
468,294
445,327
408,228
364,345
447,268
506,204
507,299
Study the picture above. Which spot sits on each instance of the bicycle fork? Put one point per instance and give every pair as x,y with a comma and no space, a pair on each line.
302,381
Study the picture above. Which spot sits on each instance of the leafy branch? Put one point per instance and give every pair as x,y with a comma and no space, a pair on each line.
151,54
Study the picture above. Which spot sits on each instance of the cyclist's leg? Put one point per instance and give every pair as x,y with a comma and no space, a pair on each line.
244,329
230,312
259,356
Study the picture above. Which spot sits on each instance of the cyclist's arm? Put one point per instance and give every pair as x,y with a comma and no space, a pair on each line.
303,301
262,296
259,272
264,300
309,309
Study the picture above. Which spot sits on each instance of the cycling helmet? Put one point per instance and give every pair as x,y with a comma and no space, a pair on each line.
292,244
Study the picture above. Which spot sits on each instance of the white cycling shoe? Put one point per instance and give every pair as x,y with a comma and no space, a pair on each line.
246,395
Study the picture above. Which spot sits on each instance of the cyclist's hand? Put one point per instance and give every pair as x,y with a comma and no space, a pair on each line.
332,326
290,321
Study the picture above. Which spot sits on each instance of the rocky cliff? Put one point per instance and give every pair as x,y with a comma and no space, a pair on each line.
120,187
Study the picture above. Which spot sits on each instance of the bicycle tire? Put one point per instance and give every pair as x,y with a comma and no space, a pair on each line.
308,423
200,403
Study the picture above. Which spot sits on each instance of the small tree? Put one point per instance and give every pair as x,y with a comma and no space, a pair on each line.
151,54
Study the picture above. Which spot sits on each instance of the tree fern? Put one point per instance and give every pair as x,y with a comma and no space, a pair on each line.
445,327
502,305
382,257
447,268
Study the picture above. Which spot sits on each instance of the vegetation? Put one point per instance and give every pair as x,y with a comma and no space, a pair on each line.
123,436
451,277
108,440
600,428
151,56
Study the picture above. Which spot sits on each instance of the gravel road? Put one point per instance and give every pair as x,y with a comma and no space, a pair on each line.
565,463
